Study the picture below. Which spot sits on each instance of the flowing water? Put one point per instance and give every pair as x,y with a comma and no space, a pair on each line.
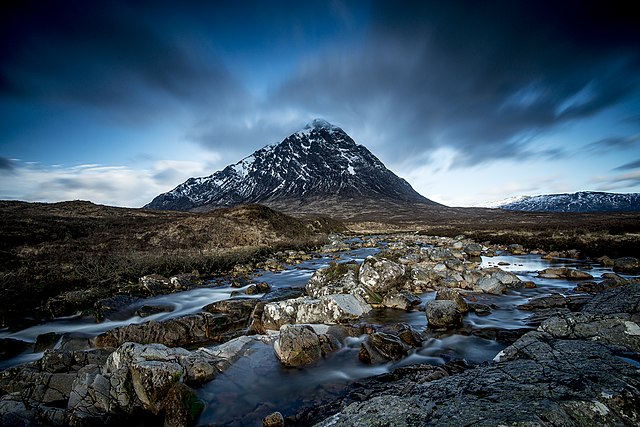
257,385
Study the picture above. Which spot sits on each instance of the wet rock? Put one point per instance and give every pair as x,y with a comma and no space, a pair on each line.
606,261
401,300
184,281
516,249
473,250
45,341
258,288
564,273
480,309
273,420
536,379
327,309
150,310
73,301
381,275
182,406
439,254
186,330
14,412
237,308
108,307
341,279
626,264
156,284
453,295
443,314
572,302
297,346
380,347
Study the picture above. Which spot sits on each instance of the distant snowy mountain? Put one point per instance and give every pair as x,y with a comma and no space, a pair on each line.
584,201
319,161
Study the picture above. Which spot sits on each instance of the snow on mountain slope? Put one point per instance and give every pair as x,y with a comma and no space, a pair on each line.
318,161
584,201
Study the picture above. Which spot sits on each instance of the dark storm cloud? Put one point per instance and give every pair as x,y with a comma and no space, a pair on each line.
119,56
6,165
484,78
629,166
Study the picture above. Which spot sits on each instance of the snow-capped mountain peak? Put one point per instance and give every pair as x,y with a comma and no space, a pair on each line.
319,161
583,201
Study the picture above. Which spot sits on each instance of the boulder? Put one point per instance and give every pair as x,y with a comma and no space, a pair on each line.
258,288
401,300
297,346
492,280
516,249
156,284
328,309
564,273
340,279
473,250
626,264
443,314
453,295
192,329
380,347
182,406
381,275
273,420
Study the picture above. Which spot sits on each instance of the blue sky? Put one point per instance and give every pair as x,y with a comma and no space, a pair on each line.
470,101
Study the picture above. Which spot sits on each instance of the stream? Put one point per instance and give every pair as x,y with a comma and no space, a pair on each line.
257,385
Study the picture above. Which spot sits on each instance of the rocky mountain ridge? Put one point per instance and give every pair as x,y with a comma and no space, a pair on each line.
317,162
583,201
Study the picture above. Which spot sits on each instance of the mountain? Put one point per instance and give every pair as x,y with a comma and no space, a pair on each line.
584,201
318,163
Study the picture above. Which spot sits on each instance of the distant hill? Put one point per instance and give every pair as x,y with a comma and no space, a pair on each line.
583,201
317,164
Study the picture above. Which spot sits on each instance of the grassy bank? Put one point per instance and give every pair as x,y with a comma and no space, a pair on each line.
48,249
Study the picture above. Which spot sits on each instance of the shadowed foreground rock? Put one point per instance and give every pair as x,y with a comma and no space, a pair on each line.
578,370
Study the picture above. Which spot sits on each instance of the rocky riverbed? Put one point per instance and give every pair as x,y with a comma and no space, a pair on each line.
391,330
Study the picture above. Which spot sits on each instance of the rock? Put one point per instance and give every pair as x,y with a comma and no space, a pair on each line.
490,285
14,412
535,382
184,281
258,288
606,261
71,302
327,309
380,347
516,249
107,308
150,310
439,254
453,295
626,264
238,309
340,279
182,406
401,300
297,346
156,284
572,302
273,420
614,278
480,309
45,341
186,330
563,272
443,314
381,275
573,274
473,250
